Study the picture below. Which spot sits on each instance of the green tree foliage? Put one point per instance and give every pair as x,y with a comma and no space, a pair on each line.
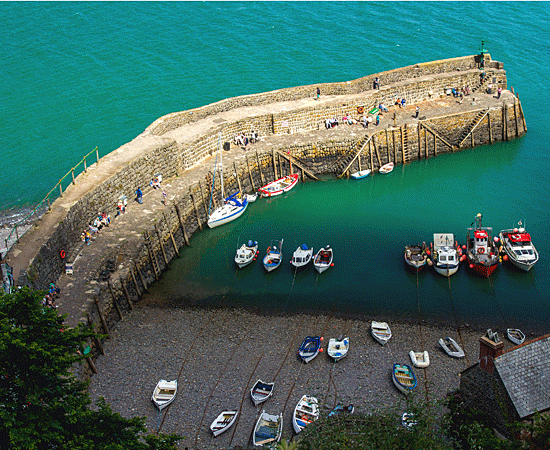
42,404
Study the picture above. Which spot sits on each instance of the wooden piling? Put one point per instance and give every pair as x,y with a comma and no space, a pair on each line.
127,294
203,199
260,169
238,178
274,165
280,165
96,339
435,144
426,143
394,150
419,142
504,134
103,322
171,235
115,302
490,129
250,174
196,209
135,282
182,224
402,133
141,278
472,138
161,244
522,115
91,364
516,117
376,150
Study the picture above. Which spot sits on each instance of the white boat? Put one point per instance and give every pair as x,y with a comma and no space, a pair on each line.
223,422
306,412
404,378
164,393
420,359
279,186
515,335
380,332
323,259
360,174
273,256
446,254
246,253
251,197
268,429
451,347
520,250
261,391
301,256
338,348
416,256
233,206
387,168
310,348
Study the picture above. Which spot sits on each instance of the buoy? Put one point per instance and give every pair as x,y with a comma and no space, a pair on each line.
62,254
463,258
428,252
496,239
430,263
505,257
515,230
322,338
320,350
464,247
471,266
331,264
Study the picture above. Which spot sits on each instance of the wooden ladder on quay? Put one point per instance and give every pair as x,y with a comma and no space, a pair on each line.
472,126
299,165
405,144
152,257
362,143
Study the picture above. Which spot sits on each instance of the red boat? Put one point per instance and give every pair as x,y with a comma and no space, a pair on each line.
481,252
279,186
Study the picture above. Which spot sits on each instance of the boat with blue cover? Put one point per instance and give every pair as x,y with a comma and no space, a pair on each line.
273,256
246,253
302,256
310,348
338,348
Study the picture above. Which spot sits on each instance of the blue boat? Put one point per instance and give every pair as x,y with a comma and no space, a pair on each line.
404,378
310,348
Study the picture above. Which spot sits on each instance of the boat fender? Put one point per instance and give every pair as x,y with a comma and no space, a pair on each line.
62,254
481,250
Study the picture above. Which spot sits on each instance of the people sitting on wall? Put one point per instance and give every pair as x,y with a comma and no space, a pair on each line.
105,219
331,122
253,137
403,101
382,107
364,122
398,102
155,183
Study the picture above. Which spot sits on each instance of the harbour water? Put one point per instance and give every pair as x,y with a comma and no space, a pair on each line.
86,74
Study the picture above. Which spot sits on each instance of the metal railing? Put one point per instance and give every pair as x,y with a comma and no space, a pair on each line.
48,195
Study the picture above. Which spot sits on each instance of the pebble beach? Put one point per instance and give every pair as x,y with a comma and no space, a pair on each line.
217,354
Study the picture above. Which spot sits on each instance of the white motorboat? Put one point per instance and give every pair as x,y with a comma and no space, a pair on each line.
306,412
515,335
246,253
223,422
420,359
361,174
268,429
164,393
387,168
323,259
519,249
446,254
338,348
273,256
261,391
380,331
302,256
451,347
233,206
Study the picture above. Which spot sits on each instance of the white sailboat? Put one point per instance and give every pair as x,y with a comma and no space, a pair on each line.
233,206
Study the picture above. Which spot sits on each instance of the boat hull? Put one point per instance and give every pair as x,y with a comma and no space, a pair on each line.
338,349
268,429
218,218
223,422
261,391
309,348
271,190
360,175
446,269
164,393
380,332
485,270
306,412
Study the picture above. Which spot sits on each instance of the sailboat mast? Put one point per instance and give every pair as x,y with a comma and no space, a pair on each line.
221,162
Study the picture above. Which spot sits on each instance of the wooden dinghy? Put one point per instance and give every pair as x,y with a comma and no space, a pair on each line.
451,347
387,168
223,422
404,378
338,348
341,410
164,393
380,332
420,359
261,391
310,348
306,412
515,335
268,429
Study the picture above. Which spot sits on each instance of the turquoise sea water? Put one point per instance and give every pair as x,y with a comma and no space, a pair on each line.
79,75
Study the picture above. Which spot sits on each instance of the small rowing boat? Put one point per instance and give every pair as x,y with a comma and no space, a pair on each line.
338,348
420,359
223,422
279,186
387,168
404,378
268,429
380,332
360,174
323,259
451,347
310,348
261,391
306,412
164,393
273,256
515,335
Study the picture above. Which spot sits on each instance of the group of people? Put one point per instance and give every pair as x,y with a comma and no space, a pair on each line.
243,140
401,102
101,220
155,183
49,299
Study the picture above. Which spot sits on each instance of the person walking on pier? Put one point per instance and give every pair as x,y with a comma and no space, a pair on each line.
164,195
417,112
318,93
139,195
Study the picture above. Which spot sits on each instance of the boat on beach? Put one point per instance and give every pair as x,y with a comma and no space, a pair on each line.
306,412
223,422
246,253
301,256
387,168
408,420
338,348
515,335
480,249
420,359
310,348
451,347
416,256
164,393
279,186
361,174
403,378
517,245
446,254
273,256
268,429
323,259
380,332
341,410
261,391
